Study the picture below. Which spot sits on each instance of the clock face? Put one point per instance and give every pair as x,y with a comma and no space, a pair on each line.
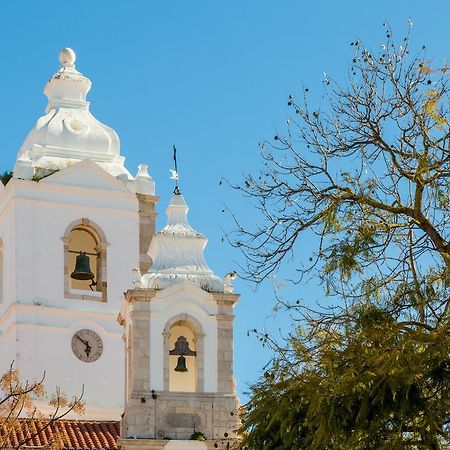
87,345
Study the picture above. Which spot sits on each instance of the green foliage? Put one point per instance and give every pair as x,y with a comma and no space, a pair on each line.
43,173
367,181
198,436
5,177
382,384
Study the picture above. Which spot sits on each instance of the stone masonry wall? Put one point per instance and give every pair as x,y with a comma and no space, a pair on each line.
177,415
225,317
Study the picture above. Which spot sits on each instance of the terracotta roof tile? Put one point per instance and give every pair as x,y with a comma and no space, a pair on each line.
74,434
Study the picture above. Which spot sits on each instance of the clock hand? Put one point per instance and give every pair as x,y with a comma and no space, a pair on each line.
82,340
88,348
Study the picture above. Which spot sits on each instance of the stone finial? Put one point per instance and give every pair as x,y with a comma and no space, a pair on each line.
143,171
67,57
24,168
227,279
144,182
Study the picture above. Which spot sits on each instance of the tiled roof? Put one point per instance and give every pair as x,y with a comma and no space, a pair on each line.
73,434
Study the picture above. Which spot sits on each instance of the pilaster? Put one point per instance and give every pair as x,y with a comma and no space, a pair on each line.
225,318
147,228
137,341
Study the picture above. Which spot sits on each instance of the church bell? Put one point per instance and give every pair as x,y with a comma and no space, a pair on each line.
181,365
182,348
82,268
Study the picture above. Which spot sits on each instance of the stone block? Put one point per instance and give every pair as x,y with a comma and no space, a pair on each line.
155,444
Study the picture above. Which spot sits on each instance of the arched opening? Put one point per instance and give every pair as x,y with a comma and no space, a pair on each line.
85,261
183,346
83,242
182,359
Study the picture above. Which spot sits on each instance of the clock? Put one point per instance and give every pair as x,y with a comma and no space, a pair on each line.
87,345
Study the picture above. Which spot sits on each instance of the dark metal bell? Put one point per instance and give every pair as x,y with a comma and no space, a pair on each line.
181,365
182,348
82,268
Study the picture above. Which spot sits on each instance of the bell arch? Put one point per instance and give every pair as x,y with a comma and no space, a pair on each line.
85,237
183,337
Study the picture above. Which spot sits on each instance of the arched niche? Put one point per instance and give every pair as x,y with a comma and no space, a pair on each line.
83,235
179,328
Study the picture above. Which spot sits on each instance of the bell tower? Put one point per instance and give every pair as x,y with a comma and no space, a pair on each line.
74,223
178,330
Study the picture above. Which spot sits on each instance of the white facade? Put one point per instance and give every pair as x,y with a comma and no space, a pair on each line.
71,200
178,325
69,175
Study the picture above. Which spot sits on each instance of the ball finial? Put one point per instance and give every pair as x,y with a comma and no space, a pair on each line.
67,57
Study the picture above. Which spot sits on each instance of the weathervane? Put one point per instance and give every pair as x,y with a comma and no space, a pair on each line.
174,173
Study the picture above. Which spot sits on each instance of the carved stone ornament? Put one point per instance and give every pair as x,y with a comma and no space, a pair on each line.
177,253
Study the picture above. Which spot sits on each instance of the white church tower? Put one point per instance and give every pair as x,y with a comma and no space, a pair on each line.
73,225
178,324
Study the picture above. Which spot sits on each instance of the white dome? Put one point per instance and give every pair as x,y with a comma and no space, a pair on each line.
177,253
68,132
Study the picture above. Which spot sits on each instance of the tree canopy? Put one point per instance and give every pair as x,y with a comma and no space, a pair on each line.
365,177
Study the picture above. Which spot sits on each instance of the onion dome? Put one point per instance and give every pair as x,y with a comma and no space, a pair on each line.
68,132
177,253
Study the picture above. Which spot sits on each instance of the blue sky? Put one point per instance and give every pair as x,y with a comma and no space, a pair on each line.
213,78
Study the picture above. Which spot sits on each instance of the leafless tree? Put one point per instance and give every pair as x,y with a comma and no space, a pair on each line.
367,175
365,180
17,402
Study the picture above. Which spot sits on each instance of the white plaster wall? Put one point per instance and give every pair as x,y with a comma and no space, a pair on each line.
40,224
7,341
184,298
44,346
37,335
7,234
